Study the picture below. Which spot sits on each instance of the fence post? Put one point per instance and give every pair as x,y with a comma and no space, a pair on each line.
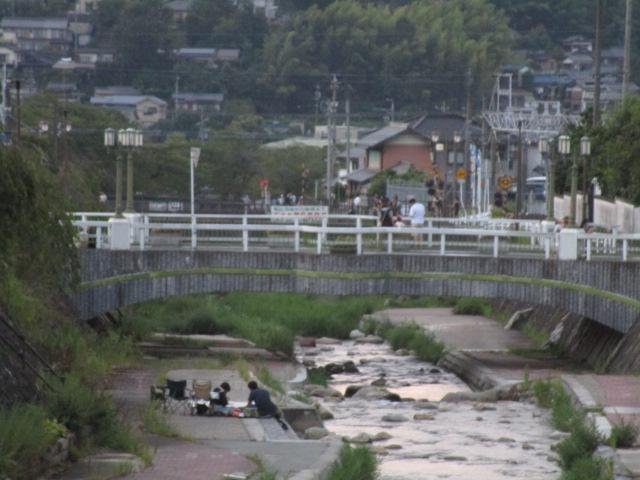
390,242
443,238
359,236
625,250
588,249
245,234
296,235
98,238
194,231
141,237
496,244
430,226
547,248
319,243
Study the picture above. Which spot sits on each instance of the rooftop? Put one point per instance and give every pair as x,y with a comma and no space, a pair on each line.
124,100
382,135
23,22
199,97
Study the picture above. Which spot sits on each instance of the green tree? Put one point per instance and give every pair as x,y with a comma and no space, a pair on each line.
419,53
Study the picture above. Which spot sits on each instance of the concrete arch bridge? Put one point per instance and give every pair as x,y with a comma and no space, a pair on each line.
606,291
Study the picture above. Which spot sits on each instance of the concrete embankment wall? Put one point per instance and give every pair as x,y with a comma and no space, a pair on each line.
604,291
580,338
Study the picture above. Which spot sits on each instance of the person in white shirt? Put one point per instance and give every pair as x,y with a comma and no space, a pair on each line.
416,216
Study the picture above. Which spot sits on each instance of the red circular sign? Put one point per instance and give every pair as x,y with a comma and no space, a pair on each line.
264,183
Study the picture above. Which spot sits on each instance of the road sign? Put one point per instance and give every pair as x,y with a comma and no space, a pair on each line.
195,156
264,183
505,182
461,174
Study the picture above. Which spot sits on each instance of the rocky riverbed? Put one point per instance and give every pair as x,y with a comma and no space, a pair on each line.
422,437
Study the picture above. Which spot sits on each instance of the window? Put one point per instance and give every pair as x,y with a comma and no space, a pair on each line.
150,111
374,160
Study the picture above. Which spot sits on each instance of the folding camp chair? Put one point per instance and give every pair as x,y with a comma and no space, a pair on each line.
173,396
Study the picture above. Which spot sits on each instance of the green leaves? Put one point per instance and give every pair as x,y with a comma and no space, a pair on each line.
381,50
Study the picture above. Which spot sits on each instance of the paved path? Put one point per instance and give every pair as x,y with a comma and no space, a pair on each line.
217,446
488,345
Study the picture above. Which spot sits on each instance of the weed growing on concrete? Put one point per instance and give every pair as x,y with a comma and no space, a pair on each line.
410,336
154,421
575,451
473,306
623,435
355,464
266,378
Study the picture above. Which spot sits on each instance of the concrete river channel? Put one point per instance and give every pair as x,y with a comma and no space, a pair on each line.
428,439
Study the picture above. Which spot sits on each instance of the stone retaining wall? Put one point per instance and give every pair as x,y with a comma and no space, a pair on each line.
604,291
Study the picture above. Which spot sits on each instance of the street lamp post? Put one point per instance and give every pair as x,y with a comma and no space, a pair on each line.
564,148
130,139
435,138
194,157
111,141
457,140
585,151
546,151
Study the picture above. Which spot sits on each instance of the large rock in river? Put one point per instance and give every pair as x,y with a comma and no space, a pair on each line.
315,433
376,393
320,391
497,394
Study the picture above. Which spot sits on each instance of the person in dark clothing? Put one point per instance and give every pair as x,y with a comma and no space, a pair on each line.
261,399
386,214
219,401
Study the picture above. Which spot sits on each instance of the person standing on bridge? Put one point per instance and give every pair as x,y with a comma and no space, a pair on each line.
416,217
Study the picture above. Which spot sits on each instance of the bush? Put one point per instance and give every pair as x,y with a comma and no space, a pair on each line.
25,435
427,348
355,464
623,435
472,306
412,337
401,336
579,445
317,376
588,469
563,414
90,415
156,422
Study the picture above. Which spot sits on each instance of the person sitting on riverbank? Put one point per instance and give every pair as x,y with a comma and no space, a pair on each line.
261,400
219,401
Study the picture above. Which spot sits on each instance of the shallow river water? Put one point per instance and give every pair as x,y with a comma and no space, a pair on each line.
463,441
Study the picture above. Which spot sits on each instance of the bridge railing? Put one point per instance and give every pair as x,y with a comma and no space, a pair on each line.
357,233
337,233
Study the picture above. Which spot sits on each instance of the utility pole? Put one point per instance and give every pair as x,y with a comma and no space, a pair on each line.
626,69
18,112
317,97
467,136
332,136
520,181
347,111
175,97
597,62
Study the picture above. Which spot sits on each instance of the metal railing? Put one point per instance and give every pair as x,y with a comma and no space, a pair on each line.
358,234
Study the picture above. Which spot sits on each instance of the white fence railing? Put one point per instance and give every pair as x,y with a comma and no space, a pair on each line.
351,233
